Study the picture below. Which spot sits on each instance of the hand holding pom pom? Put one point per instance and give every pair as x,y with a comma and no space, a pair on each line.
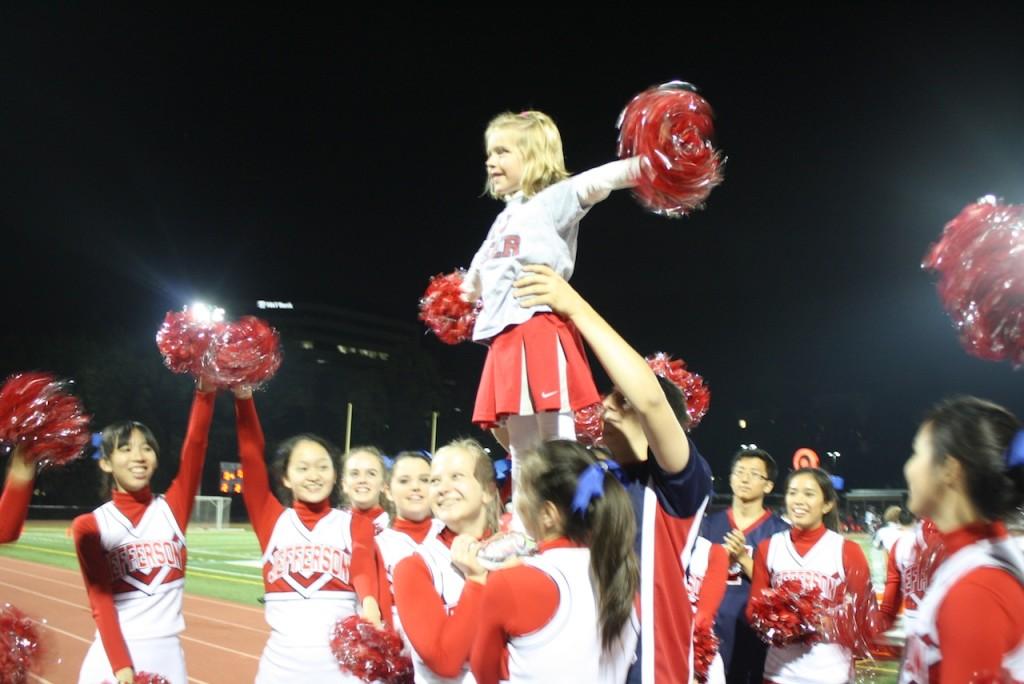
980,262
697,393
670,127
38,415
788,614
20,649
373,654
445,311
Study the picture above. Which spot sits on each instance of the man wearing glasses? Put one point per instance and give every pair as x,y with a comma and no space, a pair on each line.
740,528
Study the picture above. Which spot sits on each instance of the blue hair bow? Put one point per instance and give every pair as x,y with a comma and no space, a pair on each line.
389,462
590,484
502,470
1015,454
97,445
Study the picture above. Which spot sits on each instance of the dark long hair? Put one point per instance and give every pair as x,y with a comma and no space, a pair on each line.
283,454
978,433
115,434
608,527
828,491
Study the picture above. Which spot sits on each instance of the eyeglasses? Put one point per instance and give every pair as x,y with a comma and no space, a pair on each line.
744,474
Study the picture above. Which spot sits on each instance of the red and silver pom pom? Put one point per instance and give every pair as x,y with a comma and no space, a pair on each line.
185,337
670,128
692,385
788,614
980,262
242,354
445,312
246,353
373,654
499,549
146,678
21,650
705,648
39,416
590,424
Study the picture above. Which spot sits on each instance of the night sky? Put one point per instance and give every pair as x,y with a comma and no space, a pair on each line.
153,156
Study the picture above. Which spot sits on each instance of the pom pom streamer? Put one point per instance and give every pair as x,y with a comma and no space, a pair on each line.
370,653
980,262
21,648
590,425
692,385
705,648
246,354
38,415
184,340
788,614
445,312
670,128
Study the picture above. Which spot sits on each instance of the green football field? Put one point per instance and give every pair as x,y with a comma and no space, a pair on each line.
225,564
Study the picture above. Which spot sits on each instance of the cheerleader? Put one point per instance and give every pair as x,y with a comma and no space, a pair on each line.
966,474
536,372
313,573
818,556
132,552
407,491
438,589
17,494
362,484
645,421
578,622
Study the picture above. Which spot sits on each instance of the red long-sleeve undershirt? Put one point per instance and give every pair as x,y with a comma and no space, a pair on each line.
264,509
416,530
442,640
13,508
712,587
179,496
982,616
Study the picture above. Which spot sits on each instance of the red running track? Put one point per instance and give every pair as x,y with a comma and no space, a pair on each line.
222,640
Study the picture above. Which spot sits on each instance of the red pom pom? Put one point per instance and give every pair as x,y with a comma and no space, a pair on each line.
184,340
150,678
38,415
705,648
590,424
370,653
20,649
669,127
444,311
246,353
697,393
788,614
980,261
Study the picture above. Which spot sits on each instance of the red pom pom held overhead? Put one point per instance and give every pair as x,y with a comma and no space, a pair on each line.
38,415
185,338
242,354
670,128
692,385
980,262
370,653
21,650
246,353
445,312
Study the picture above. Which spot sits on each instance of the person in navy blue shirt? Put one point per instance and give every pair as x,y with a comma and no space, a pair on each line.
645,421
740,528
